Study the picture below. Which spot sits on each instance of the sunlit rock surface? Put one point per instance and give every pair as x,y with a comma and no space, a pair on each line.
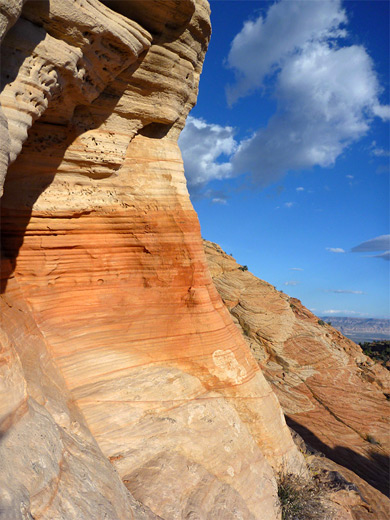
333,395
117,346
50,465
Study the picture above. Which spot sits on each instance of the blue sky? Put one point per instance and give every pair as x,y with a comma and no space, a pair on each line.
287,151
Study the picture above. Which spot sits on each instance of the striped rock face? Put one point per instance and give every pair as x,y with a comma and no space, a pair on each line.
333,395
103,253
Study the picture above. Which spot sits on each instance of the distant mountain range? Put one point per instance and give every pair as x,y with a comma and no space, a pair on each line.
361,329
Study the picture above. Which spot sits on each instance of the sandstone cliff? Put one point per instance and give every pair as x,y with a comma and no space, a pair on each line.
115,343
333,395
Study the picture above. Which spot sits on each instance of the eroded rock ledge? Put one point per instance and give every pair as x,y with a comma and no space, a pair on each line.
116,345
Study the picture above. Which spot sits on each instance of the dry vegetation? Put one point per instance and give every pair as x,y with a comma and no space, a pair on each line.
301,498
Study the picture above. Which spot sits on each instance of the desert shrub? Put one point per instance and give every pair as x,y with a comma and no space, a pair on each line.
301,498
379,351
243,268
321,322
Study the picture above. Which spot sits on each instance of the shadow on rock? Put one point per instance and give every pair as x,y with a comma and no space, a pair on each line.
374,468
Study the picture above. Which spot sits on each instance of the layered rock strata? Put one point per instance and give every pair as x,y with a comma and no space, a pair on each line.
117,343
333,395
50,465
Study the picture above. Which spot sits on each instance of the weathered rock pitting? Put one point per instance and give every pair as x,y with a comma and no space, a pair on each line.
119,345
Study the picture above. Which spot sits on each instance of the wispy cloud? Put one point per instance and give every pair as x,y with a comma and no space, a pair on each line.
292,282
289,204
300,188
349,177
379,152
380,243
383,168
295,269
344,312
344,291
335,249
218,200
385,255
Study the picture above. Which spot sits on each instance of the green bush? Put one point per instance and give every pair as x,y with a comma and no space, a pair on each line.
243,268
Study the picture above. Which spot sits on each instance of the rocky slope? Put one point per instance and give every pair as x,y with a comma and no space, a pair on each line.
333,395
116,345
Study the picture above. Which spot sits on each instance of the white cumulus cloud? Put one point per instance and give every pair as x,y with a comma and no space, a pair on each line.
263,45
324,96
326,92
206,149
382,111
